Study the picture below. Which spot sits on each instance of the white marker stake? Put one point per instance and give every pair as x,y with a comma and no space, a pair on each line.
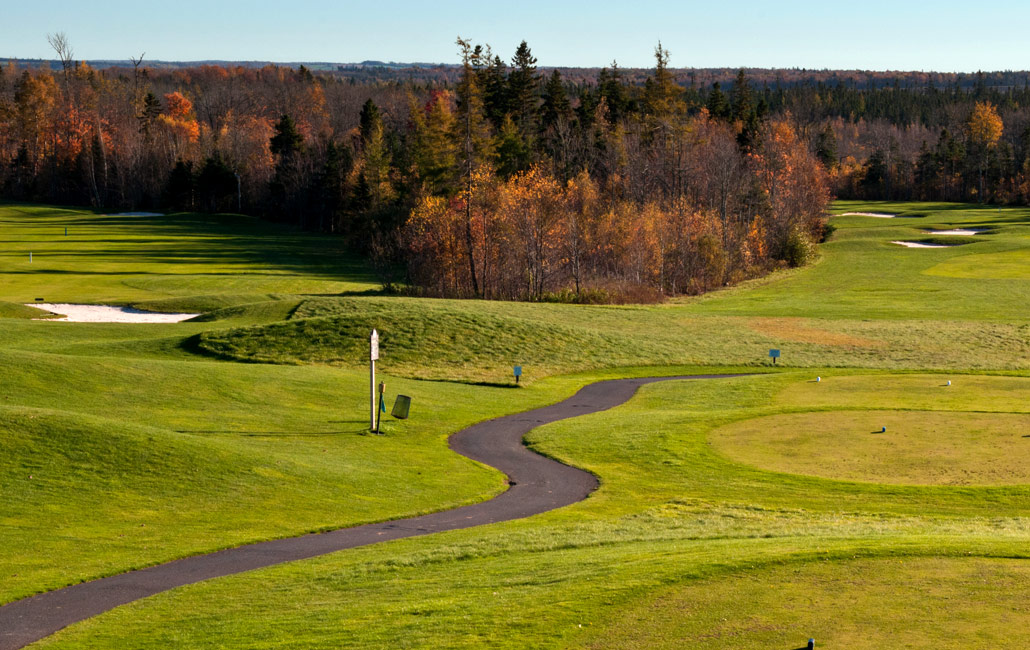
30,258
373,357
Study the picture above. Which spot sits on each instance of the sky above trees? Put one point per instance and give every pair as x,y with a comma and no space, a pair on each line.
946,35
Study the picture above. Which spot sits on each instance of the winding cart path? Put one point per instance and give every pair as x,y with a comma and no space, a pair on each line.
538,484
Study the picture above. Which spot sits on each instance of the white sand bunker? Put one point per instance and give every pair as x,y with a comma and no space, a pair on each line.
957,231
919,244
107,314
138,214
878,215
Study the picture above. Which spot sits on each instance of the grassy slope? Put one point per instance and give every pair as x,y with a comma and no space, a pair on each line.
670,507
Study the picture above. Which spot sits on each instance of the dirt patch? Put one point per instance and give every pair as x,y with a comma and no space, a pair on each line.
796,330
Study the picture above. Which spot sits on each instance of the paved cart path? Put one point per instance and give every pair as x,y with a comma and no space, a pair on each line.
538,484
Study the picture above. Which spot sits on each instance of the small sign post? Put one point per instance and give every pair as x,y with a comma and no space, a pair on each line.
775,354
518,373
382,406
373,357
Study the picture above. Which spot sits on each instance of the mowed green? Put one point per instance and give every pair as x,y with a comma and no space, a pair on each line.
147,442
911,447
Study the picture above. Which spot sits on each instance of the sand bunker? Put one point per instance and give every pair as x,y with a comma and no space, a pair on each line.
878,215
107,314
919,244
957,231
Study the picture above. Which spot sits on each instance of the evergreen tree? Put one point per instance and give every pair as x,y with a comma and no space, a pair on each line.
524,89
493,79
148,114
332,187
286,145
216,184
368,118
826,147
556,104
741,99
513,154
179,191
718,106
613,91
661,93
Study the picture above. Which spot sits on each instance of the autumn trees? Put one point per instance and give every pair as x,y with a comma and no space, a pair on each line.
664,202
504,182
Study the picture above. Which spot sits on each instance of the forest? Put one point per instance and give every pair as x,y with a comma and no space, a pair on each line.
501,180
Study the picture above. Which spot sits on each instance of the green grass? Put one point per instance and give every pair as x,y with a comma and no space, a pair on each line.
882,603
670,510
14,310
921,448
150,442
123,259
1007,265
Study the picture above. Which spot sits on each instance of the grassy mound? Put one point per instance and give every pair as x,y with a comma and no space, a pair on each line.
928,603
203,303
15,310
918,448
424,340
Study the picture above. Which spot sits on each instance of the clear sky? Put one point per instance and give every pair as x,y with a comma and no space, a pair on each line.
946,35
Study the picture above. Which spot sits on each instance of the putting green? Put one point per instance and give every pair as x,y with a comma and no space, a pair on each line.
918,448
1008,265
939,603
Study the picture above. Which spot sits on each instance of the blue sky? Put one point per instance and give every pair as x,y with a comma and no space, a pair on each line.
870,34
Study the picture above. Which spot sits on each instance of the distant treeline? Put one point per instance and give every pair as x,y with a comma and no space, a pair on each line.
505,182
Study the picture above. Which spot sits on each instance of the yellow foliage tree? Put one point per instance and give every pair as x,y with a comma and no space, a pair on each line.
985,127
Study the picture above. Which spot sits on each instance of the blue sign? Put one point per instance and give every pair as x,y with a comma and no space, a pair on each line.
518,371
774,353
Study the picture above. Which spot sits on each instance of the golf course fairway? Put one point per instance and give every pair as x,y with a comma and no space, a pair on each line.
759,510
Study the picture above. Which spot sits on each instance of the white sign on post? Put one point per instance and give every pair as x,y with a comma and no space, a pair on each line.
373,356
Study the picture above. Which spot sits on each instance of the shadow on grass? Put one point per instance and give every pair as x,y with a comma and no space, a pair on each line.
471,382
270,434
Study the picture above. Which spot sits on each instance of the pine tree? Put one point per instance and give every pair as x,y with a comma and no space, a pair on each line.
524,89
556,104
826,147
742,102
148,115
369,117
613,91
718,106
286,145
661,93
493,79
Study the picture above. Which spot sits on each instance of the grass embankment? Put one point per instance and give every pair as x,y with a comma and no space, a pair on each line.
277,449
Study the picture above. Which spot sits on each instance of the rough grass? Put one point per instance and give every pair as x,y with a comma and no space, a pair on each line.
940,603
